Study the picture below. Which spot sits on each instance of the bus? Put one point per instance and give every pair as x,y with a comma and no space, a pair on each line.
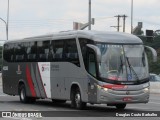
80,66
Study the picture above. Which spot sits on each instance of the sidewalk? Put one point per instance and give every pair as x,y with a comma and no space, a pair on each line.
0,80
1,91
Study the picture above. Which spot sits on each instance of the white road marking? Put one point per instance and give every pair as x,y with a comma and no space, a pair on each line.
154,103
143,108
153,99
25,110
16,118
51,109
3,95
137,108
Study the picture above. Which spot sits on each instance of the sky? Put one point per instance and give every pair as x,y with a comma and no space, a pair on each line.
38,17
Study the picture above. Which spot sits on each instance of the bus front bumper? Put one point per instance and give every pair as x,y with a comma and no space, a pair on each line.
109,96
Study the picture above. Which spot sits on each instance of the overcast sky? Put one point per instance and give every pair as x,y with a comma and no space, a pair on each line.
37,17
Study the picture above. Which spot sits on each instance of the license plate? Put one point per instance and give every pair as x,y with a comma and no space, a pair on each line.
126,99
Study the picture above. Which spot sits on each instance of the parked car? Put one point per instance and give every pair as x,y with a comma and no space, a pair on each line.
154,83
154,78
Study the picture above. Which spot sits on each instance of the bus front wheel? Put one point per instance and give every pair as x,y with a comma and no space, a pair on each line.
76,100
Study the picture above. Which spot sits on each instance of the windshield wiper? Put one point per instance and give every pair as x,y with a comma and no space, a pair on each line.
131,68
120,68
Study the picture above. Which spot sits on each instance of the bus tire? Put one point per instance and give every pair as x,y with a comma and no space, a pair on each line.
76,100
31,100
120,106
22,94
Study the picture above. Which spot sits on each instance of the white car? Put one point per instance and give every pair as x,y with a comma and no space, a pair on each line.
154,83
154,78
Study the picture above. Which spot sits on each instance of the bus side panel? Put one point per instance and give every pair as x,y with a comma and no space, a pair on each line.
43,78
9,78
28,76
39,81
58,89
35,85
12,74
92,89
34,79
63,75
28,73
58,73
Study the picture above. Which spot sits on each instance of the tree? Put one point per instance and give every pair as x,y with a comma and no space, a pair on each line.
0,57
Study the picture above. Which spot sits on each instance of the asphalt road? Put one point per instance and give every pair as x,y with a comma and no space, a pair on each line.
64,111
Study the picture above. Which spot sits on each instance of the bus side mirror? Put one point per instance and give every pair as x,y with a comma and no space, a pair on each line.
96,50
154,53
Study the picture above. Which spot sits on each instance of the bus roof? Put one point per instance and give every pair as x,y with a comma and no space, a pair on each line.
111,37
98,36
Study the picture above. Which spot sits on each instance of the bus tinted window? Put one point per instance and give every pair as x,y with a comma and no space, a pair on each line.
31,49
6,52
9,52
57,50
19,52
83,42
71,52
43,50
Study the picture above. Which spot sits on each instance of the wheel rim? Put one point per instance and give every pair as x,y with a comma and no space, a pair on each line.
22,94
77,99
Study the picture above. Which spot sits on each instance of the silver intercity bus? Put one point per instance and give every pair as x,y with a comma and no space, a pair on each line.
81,66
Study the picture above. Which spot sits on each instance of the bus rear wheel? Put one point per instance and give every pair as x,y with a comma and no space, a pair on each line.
120,106
23,96
76,100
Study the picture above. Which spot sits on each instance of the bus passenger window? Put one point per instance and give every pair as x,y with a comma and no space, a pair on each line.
43,50
58,50
31,49
71,52
9,52
19,52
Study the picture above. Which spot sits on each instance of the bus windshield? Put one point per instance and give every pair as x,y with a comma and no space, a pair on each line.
122,62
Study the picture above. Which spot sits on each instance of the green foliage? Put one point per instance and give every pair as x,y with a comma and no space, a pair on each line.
139,32
0,55
153,67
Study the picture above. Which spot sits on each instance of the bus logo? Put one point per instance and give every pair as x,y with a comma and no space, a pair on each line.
127,93
45,67
5,67
19,70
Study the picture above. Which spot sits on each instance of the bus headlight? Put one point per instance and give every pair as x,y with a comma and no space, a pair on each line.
146,90
105,89
102,88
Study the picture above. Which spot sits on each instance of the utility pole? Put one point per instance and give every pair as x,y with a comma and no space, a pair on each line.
124,22
115,27
118,21
6,27
89,16
7,21
131,16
